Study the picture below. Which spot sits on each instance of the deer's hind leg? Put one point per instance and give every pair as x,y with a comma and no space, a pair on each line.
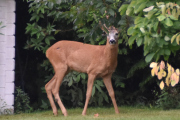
60,73
48,87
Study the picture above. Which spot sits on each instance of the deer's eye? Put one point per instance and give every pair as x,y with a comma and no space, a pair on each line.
116,34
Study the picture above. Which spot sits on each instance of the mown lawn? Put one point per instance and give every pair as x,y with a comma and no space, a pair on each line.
126,113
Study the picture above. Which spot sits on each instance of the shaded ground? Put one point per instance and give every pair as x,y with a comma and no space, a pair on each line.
126,113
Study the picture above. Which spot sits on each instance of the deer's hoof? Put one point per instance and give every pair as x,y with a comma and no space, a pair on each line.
117,112
83,114
55,114
65,113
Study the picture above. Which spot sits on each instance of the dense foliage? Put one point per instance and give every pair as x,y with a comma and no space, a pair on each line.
156,25
152,24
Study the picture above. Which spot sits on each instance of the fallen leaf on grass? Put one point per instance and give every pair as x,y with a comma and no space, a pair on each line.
96,115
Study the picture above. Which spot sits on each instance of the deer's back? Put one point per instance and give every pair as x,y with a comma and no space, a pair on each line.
77,56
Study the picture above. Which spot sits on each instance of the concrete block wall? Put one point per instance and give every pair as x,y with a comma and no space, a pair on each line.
7,55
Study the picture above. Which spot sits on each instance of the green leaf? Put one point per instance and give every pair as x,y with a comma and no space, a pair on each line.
105,97
78,78
99,88
131,39
139,41
172,17
100,83
150,14
167,52
149,57
70,82
48,38
103,10
99,4
123,9
130,31
111,12
155,25
168,22
161,17
83,76
129,11
140,8
138,20
161,52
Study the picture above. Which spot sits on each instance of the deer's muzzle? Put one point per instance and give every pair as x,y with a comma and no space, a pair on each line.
112,42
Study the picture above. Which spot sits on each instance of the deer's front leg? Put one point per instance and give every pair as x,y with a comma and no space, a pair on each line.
108,84
89,92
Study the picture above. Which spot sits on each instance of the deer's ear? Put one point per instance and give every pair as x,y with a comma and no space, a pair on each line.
104,34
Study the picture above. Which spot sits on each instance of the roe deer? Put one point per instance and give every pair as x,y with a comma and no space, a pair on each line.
95,60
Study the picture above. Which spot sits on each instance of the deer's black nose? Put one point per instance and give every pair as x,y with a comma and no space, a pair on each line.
112,41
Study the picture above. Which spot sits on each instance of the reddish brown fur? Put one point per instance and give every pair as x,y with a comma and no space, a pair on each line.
95,60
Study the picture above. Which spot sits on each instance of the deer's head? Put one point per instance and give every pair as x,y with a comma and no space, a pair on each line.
112,34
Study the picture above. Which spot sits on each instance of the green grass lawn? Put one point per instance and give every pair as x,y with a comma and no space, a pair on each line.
126,113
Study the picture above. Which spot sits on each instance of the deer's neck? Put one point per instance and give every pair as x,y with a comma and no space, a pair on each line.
111,52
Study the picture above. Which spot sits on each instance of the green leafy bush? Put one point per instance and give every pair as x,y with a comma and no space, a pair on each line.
22,101
169,99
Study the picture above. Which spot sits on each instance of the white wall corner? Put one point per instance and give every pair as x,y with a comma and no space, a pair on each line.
7,55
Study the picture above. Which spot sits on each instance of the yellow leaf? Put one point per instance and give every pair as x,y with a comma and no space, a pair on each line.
168,81
159,75
169,74
173,83
156,70
169,67
177,72
177,39
164,74
174,79
173,37
163,9
161,85
152,72
153,64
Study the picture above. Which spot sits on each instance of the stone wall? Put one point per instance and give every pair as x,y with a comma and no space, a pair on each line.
7,55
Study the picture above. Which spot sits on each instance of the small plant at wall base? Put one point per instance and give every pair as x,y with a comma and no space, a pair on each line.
169,97
1,26
22,101
3,109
